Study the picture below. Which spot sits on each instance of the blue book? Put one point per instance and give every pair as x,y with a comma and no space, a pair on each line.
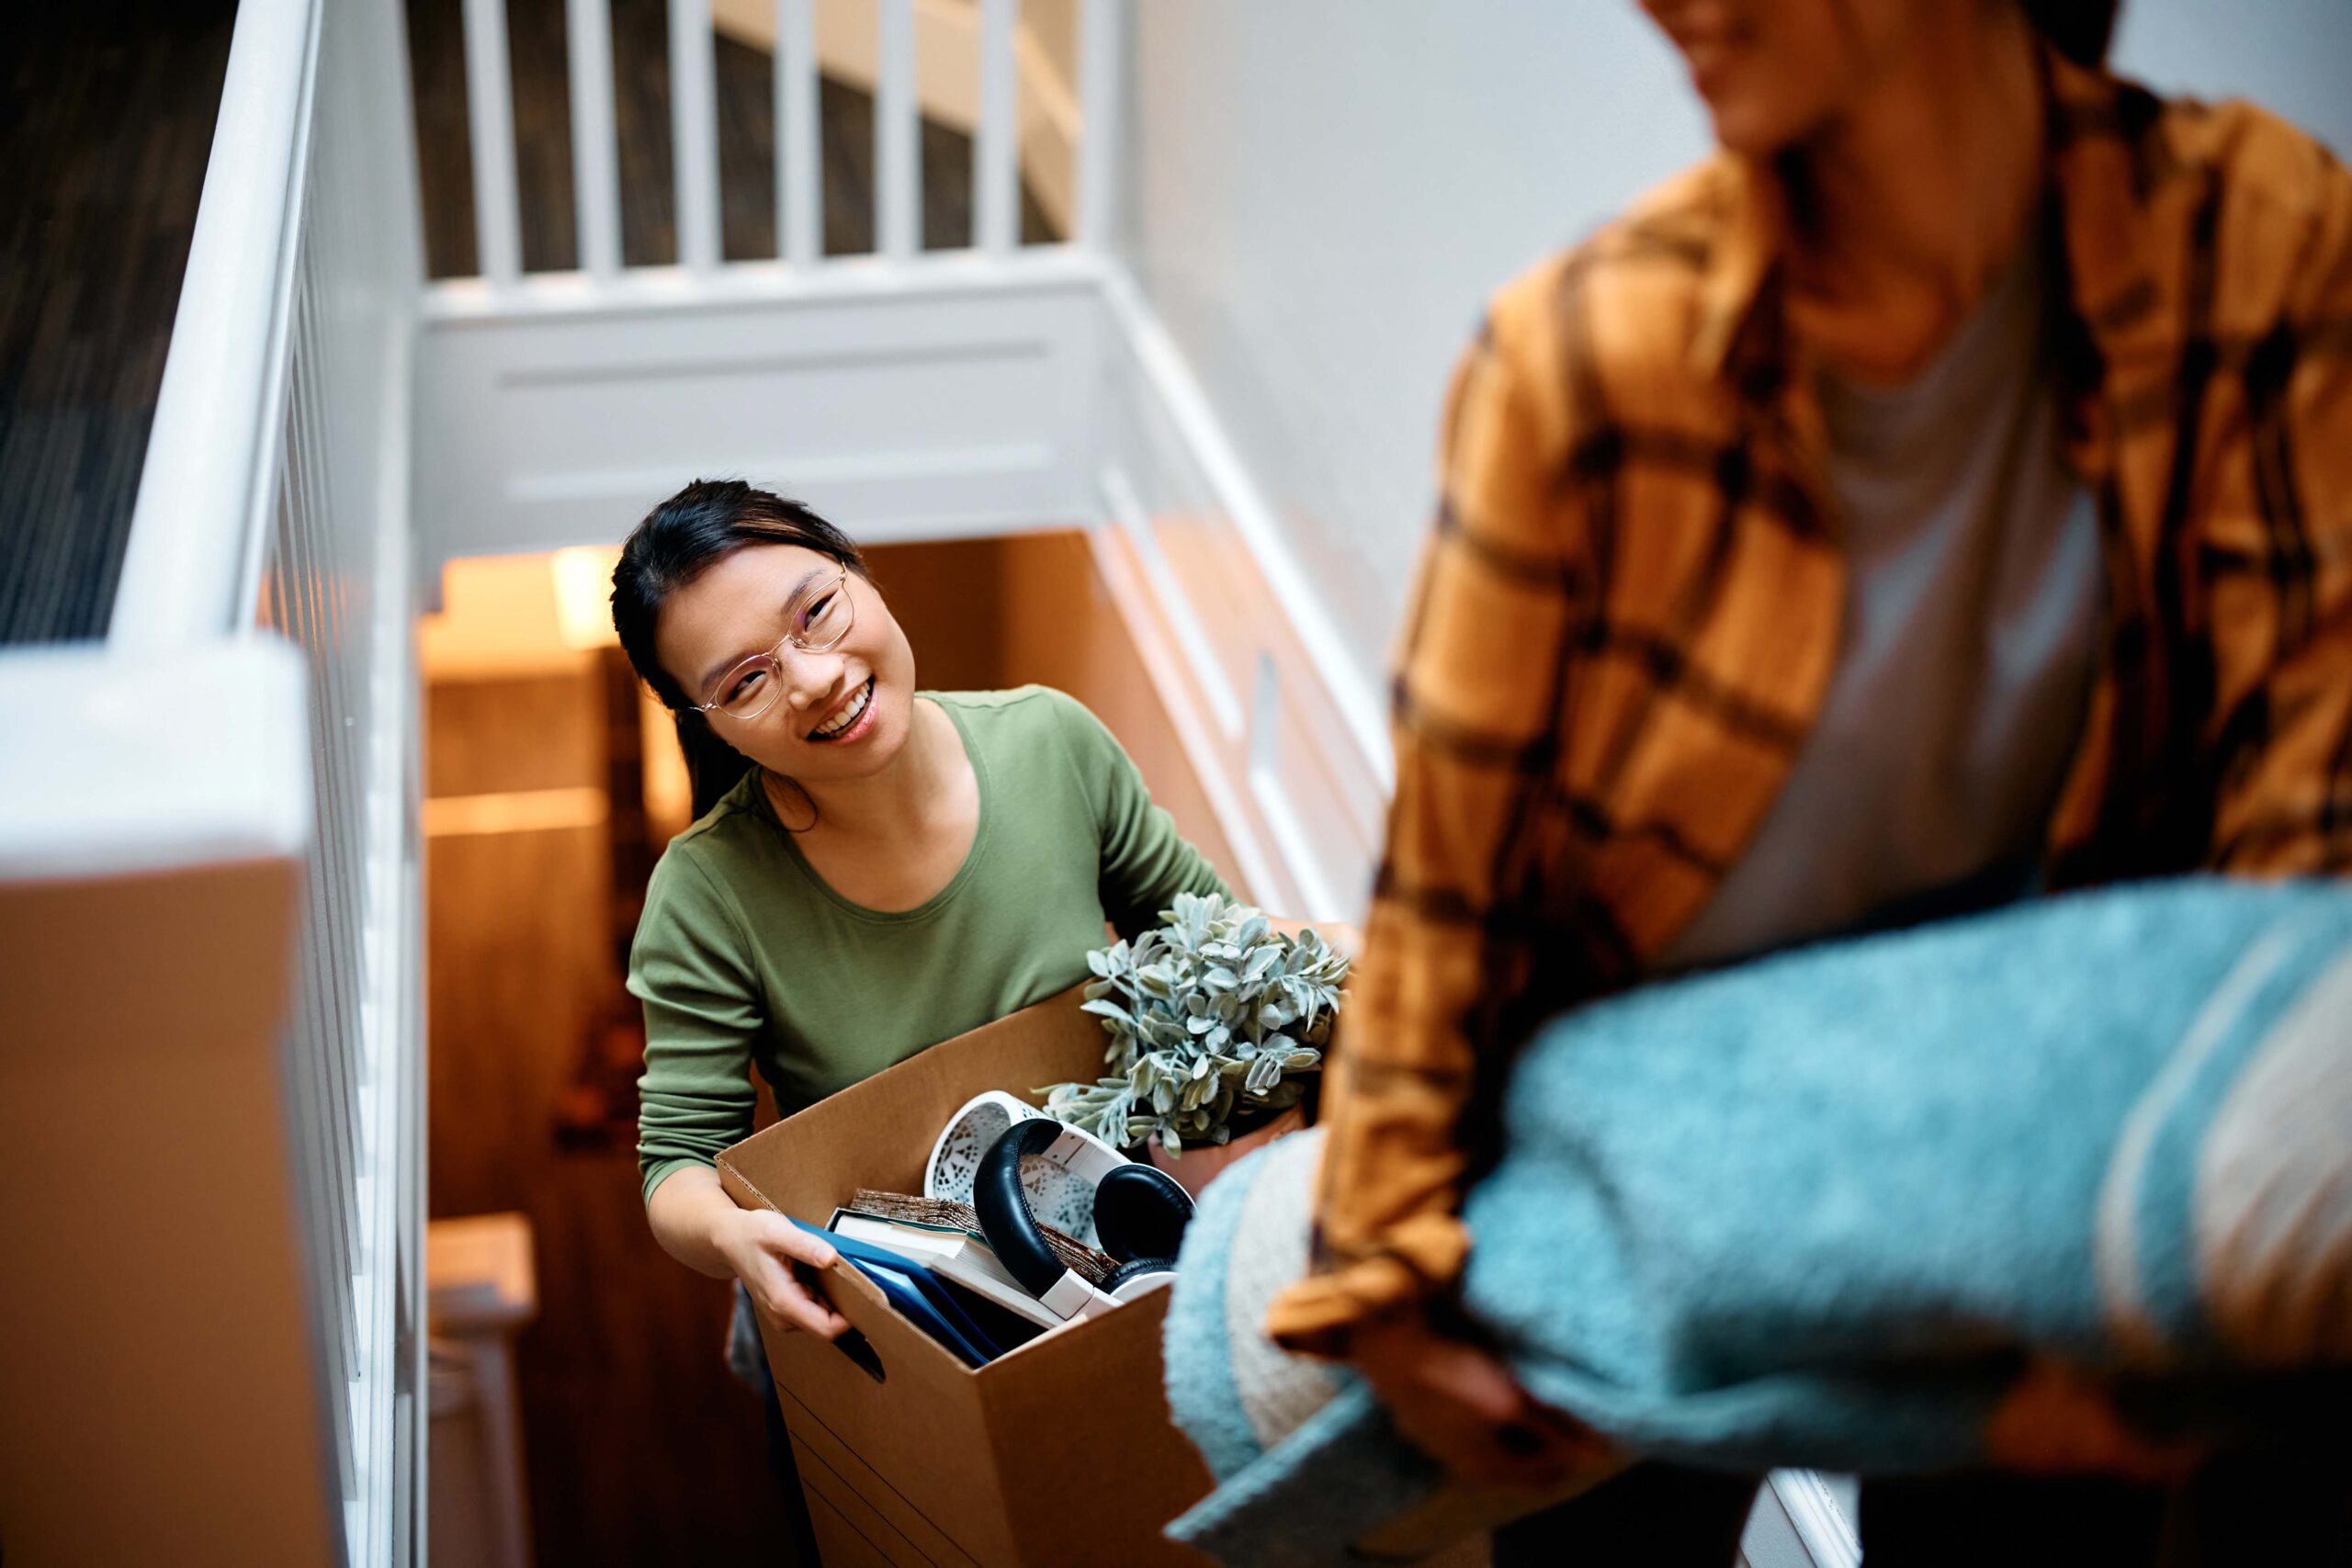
916,1295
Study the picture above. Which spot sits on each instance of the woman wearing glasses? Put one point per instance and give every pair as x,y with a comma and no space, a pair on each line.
873,869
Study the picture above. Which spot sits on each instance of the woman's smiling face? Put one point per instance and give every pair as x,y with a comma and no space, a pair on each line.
815,731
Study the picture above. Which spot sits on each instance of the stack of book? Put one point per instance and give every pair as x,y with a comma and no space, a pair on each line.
931,1262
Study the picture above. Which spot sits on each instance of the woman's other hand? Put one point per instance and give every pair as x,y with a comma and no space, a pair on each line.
769,1254
1463,1407
698,1223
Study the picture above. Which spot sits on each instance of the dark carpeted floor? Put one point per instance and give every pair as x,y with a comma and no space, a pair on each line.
104,131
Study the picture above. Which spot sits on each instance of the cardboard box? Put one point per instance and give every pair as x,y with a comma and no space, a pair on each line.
1058,1452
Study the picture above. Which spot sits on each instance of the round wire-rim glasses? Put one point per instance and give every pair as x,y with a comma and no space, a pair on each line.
824,617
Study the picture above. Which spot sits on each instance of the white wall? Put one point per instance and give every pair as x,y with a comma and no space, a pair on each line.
2290,56
1324,191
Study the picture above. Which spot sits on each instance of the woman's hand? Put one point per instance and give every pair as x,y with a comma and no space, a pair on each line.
1462,1407
698,1223
766,1251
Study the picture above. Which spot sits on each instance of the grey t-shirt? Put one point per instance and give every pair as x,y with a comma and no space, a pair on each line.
1971,613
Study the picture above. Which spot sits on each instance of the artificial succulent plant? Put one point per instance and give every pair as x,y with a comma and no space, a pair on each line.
1213,1015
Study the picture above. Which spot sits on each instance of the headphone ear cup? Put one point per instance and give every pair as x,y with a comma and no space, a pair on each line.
1135,1272
1003,1206
1140,1211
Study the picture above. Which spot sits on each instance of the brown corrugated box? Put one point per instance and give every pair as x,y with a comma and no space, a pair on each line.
1059,1452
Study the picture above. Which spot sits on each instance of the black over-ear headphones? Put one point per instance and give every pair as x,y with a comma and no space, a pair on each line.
1140,1215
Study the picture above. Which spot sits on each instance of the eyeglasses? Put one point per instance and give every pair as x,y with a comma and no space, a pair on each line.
822,618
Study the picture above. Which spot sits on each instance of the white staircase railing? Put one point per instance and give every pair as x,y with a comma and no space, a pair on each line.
791,33
260,643
210,1068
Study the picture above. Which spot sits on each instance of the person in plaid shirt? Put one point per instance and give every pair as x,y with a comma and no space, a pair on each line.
1943,495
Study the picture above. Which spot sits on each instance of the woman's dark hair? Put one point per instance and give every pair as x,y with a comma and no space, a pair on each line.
679,540
2079,30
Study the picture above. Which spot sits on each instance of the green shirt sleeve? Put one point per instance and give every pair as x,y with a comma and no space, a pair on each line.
1146,861
691,967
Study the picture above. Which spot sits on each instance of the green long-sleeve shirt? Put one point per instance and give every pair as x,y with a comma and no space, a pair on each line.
744,956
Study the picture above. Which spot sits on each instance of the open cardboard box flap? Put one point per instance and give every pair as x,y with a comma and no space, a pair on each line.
1061,1452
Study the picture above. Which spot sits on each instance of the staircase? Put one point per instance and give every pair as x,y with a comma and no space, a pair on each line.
210,1073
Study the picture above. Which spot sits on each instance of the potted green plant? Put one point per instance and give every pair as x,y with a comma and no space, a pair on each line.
1214,1018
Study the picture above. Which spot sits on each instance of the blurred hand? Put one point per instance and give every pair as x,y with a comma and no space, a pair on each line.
766,1250
1462,1407
2056,1421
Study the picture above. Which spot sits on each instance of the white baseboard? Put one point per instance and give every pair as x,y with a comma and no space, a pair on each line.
1235,633
1799,1520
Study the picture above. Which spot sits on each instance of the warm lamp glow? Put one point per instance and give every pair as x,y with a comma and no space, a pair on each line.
584,594
669,792
498,621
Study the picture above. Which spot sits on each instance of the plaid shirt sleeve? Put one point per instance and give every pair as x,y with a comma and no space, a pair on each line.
2284,644
1545,831
1476,711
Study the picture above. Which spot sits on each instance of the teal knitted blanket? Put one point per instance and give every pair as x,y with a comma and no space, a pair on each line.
1833,1208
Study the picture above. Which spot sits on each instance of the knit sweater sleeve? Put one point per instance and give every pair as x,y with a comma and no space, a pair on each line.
690,967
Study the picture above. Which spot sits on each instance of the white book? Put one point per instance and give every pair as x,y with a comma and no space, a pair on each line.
951,1253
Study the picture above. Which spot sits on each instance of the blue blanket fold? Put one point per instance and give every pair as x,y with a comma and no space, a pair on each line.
1828,1209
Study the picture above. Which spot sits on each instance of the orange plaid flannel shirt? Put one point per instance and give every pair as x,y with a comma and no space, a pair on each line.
1629,610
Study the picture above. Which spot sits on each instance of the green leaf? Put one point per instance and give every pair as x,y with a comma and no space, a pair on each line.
1207,1011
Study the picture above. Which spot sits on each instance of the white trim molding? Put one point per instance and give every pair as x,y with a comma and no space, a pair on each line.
95,733
155,817
1233,632
932,398
1821,1523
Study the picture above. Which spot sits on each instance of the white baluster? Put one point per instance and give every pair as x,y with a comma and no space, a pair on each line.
1099,48
498,231
799,179
896,131
693,132
996,152
596,163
